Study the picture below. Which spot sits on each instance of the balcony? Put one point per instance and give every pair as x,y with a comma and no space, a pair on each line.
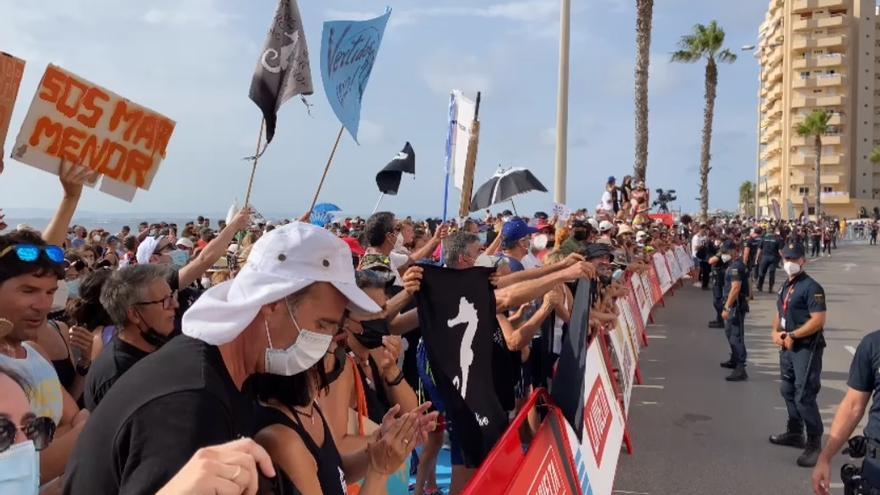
770,153
832,21
835,120
819,81
807,5
823,101
835,197
826,60
800,159
809,180
835,139
819,41
769,168
772,75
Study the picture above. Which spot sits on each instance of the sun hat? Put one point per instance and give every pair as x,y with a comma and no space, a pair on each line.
146,249
185,242
282,262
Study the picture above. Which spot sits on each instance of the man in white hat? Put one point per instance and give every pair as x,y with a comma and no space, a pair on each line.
278,316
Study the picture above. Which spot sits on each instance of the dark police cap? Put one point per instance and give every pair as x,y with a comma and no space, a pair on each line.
728,246
793,250
598,250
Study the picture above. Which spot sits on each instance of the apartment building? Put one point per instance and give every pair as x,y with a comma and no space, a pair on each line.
819,54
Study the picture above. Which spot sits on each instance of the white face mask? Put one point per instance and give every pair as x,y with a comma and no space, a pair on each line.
791,268
726,257
309,349
20,466
206,282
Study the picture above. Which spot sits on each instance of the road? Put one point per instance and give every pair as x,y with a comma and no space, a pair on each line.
695,433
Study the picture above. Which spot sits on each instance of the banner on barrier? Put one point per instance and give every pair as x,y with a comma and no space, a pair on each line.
652,285
629,325
596,455
672,264
626,360
662,272
547,469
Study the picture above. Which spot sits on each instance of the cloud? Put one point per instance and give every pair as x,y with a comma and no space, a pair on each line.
370,132
663,77
446,71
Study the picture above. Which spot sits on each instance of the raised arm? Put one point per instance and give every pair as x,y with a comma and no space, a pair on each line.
72,178
215,249
513,296
440,233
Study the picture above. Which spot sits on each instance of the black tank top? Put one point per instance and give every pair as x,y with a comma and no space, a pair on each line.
63,367
327,458
374,394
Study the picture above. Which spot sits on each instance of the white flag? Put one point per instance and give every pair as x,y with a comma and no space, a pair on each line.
464,118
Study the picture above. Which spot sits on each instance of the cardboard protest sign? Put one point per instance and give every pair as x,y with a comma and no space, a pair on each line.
76,120
11,70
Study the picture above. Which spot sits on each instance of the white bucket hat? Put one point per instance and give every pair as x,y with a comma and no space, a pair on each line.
281,262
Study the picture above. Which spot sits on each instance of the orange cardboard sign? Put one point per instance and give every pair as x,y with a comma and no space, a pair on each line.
76,120
11,70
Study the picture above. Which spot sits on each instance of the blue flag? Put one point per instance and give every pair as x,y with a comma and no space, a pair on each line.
348,50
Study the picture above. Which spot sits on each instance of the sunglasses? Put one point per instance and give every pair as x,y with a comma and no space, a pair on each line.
39,430
30,253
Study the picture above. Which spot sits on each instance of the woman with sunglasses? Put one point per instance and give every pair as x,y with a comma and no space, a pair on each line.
22,435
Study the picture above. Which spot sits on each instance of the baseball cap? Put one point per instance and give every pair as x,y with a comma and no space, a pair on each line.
593,223
281,262
611,179
793,251
146,249
605,226
185,242
516,228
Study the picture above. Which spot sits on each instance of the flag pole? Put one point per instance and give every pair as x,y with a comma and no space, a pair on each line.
381,195
470,163
247,196
327,167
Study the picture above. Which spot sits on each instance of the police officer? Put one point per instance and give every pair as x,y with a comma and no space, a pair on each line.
718,267
735,301
864,380
768,256
797,330
751,246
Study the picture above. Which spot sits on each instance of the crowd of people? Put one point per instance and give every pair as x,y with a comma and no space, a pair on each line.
288,358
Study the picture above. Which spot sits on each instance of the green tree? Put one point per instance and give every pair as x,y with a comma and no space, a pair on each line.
644,15
815,126
705,43
875,155
747,197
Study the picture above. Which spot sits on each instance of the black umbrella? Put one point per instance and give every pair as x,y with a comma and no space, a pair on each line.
503,186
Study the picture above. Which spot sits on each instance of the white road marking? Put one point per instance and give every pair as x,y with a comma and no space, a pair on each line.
659,387
656,336
851,349
622,492
648,403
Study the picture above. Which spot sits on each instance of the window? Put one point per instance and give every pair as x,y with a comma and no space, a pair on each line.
805,74
803,190
827,189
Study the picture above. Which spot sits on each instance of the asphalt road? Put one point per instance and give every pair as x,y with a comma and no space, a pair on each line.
695,433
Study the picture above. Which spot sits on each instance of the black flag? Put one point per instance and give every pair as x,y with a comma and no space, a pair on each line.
457,318
388,179
283,69
568,385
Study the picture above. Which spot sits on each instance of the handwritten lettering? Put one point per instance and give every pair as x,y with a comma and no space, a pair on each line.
349,49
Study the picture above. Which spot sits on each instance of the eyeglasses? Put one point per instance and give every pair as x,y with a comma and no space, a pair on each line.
30,253
39,430
167,301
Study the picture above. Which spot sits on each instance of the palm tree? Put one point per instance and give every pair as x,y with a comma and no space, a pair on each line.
875,155
644,14
747,196
705,43
815,126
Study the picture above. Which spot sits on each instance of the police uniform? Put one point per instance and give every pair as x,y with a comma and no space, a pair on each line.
734,325
801,367
864,376
718,270
753,244
770,245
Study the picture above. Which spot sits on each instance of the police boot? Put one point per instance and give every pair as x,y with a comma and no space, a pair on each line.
738,375
793,436
811,453
729,364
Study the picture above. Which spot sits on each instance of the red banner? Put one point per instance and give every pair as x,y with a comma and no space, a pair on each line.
655,284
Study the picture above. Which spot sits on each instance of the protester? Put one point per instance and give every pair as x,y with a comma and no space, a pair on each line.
143,428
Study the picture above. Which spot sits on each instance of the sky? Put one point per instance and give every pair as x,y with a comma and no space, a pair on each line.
192,60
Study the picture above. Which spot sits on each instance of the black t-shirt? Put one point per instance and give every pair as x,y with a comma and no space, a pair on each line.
185,297
864,376
770,245
798,299
172,403
113,361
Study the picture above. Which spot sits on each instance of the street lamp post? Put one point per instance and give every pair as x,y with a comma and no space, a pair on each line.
559,182
748,48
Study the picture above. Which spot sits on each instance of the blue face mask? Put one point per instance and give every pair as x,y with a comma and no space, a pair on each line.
73,288
20,469
482,236
179,258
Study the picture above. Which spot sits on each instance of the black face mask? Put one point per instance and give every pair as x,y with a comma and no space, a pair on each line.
154,338
580,235
374,330
292,391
